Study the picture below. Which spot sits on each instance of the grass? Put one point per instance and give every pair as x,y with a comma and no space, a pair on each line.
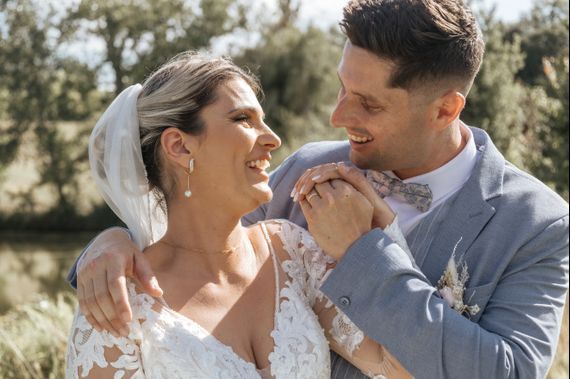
33,339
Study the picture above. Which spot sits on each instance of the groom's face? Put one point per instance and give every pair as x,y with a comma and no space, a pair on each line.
386,126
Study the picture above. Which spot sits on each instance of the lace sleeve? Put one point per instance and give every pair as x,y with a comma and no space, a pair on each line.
344,336
395,233
99,354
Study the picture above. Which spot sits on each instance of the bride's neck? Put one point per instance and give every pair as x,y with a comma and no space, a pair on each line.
209,234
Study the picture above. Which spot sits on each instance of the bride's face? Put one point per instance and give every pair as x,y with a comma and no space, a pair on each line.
234,153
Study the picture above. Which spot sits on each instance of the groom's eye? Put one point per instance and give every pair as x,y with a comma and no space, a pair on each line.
370,108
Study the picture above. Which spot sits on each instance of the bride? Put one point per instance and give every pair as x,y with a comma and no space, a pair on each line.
188,150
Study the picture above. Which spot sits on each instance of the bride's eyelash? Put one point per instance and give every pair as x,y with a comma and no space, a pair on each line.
243,119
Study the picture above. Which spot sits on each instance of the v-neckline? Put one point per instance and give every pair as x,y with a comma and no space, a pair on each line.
206,334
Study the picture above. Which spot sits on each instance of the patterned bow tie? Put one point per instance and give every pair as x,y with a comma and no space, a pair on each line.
418,195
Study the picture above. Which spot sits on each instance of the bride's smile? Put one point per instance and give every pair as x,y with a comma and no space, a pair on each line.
234,152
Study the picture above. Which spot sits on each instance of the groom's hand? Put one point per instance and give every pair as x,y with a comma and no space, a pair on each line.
101,281
383,214
337,215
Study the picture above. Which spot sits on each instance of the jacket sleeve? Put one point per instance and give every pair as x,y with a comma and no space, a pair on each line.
378,288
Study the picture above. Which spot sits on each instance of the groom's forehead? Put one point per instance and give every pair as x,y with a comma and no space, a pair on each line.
359,66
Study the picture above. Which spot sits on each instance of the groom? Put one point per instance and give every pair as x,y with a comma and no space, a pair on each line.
405,72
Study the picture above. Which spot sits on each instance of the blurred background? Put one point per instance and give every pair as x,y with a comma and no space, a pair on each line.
63,61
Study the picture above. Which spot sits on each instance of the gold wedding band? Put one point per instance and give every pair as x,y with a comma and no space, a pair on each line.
311,195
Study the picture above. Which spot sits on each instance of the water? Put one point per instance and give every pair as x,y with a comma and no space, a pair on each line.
33,266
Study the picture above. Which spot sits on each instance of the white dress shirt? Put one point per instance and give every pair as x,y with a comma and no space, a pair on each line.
444,182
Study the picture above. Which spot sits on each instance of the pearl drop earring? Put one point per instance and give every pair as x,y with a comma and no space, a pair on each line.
188,193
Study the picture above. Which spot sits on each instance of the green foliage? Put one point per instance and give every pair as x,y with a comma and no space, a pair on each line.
60,161
37,86
545,41
523,106
494,101
543,33
33,339
141,35
60,219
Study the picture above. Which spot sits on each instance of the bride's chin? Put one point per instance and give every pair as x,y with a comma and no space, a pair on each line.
264,193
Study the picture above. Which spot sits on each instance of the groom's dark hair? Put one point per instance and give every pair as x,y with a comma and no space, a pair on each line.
427,40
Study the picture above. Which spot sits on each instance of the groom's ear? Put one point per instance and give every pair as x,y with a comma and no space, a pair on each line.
177,146
448,107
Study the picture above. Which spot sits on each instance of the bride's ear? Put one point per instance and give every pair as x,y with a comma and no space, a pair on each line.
177,146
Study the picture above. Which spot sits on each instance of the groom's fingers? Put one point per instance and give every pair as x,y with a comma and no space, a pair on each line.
105,302
357,180
146,276
383,214
117,283
93,295
84,308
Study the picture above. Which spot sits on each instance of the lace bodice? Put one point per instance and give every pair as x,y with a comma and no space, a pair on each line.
165,344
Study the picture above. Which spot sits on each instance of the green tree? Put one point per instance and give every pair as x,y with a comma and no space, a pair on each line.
543,33
140,35
495,99
544,39
528,120
40,89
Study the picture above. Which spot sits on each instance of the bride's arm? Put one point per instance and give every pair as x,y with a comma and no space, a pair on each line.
349,342
344,337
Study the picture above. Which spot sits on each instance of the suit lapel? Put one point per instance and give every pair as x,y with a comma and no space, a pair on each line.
469,211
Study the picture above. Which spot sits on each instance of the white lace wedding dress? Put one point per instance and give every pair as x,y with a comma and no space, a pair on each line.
165,344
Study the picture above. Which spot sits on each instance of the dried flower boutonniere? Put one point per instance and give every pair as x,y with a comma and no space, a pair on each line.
451,285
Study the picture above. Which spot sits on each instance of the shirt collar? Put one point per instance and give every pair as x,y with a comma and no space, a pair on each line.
451,176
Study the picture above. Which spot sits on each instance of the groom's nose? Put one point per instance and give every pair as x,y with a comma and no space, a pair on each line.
344,114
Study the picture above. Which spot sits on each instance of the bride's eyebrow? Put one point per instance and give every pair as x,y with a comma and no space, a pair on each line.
248,110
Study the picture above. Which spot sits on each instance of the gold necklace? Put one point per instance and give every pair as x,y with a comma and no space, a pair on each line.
229,251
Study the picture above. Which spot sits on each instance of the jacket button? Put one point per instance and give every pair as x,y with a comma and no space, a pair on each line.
344,301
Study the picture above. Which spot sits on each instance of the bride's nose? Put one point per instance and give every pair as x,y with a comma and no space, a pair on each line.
269,139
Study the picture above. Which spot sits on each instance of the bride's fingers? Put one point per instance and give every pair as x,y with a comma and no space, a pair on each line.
325,176
301,187
301,181
306,183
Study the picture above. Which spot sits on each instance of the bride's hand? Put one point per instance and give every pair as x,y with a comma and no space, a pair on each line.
383,214
101,280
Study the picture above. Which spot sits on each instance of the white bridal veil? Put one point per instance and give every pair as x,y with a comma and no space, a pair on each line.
117,166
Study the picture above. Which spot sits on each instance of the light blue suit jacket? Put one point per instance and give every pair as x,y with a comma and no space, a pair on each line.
514,240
